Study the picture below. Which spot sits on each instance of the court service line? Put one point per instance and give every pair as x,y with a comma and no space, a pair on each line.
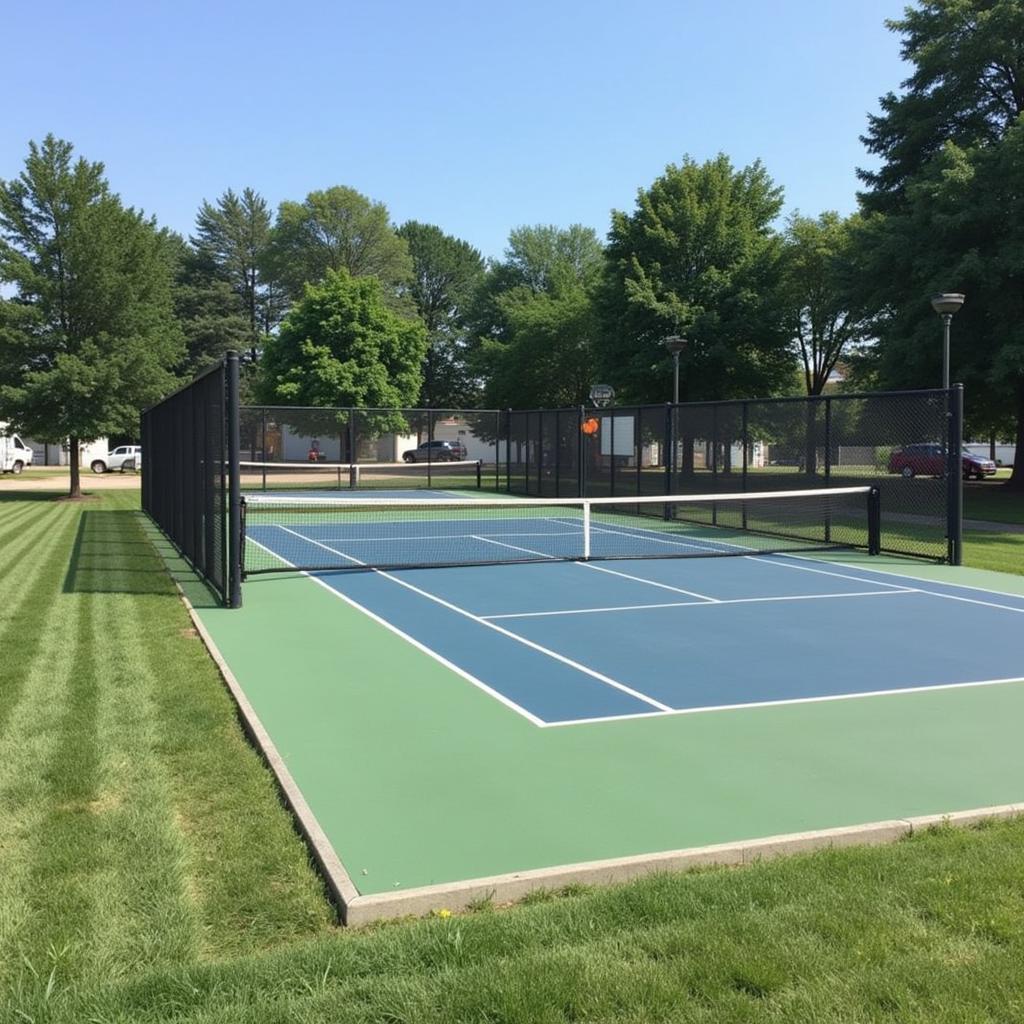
607,680
446,536
699,604
430,652
824,698
612,572
882,583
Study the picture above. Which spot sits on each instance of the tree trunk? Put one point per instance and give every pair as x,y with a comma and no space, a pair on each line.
76,469
1016,482
992,447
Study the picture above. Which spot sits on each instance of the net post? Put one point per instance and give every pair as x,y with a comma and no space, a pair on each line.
241,537
954,474
586,531
874,521
234,486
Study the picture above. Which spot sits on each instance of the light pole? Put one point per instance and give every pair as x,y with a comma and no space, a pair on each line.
946,304
675,345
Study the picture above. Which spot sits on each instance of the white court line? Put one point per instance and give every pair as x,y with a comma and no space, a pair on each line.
607,680
882,583
445,536
789,700
462,673
700,604
612,572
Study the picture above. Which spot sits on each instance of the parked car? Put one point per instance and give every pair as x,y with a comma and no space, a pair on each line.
930,460
15,455
436,451
124,456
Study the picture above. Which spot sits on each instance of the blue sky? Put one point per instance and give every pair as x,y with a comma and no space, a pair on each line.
477,117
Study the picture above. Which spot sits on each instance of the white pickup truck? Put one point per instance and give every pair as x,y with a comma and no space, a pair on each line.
125,456
15,455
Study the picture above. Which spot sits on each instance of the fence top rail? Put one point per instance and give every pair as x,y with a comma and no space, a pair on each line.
367,408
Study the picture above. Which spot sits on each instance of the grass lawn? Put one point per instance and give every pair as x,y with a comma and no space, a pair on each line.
148,871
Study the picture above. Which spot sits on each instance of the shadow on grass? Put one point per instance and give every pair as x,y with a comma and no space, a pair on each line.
119,551
13,496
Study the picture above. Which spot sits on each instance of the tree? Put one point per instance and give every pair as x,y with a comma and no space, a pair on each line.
232,237
207,307
534,320
447,273
697,256
336,229
817,307
547,359
945,208
89,337
342,345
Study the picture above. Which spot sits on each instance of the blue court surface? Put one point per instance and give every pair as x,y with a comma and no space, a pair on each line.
572,642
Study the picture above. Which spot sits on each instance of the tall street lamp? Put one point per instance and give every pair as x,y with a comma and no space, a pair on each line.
675,345
946,304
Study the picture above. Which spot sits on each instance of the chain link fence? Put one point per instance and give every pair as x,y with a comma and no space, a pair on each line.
905,443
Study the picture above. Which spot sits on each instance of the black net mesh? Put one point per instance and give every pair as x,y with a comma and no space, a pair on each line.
288,532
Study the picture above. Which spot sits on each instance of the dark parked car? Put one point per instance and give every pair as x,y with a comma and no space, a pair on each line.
930,460
436,451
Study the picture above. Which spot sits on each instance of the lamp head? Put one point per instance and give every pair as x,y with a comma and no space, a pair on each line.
674,343
947,303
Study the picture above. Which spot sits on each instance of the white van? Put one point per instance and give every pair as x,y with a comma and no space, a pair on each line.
15,455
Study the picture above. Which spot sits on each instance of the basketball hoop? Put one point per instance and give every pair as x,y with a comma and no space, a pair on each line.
602,395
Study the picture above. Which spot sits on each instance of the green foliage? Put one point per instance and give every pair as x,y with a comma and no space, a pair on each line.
342,345
90,336
547,360
232,237
446,275
335,229
947,213
207,309
818,311
697,257
535,320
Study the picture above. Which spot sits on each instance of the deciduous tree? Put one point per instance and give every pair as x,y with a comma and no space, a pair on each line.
946,207
697,256
342,345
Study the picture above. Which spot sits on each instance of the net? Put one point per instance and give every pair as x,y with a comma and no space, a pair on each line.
302,477
283,533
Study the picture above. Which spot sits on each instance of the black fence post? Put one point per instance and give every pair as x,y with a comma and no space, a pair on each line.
508,451
581,466
234,545
670,448
954,473
828,463
430,448
745,441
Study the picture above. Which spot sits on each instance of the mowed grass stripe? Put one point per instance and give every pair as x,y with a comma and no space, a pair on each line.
33,703
31,574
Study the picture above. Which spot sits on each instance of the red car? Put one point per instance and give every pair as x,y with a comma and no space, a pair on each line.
930,460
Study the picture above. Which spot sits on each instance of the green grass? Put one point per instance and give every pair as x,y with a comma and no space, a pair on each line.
148,871
991,500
